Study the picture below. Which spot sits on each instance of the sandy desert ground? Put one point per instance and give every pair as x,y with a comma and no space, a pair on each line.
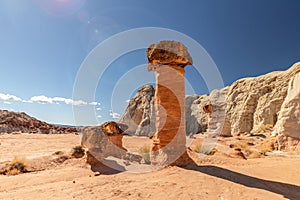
216,177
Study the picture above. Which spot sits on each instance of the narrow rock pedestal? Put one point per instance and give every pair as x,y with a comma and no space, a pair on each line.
168,59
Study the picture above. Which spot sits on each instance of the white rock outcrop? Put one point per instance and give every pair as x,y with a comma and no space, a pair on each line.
288,125
218,122
250,104
253,102
196,118
139,115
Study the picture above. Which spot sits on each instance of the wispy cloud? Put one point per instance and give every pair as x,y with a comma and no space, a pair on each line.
115,115
27,101
99,116
95,103
42,99
98,108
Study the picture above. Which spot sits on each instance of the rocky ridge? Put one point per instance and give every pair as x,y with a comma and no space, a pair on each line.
11,122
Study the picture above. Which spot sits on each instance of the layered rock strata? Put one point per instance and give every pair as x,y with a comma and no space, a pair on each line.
168,59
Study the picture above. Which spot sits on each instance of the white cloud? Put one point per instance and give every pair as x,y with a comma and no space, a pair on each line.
95,103
115,115
77,103
98,108
41,99
59,99
70,101
127,101
26,101
9,97
99,116
7,102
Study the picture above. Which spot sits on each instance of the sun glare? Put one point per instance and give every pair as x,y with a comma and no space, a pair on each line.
61,7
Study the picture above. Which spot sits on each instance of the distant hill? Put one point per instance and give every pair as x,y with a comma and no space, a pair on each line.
67,126
21,122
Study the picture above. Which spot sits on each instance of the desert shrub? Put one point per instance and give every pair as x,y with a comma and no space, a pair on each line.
145,153
203,148
78,152
16,166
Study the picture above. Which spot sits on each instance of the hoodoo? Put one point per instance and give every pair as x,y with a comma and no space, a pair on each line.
168,59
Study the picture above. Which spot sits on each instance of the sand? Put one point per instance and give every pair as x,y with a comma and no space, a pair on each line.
217,176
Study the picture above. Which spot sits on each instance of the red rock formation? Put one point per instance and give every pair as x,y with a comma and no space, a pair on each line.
168,59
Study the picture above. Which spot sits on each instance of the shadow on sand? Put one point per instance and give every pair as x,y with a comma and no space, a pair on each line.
287,190
107,168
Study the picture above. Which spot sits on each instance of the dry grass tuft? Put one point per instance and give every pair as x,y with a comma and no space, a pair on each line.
252,150
145,153
203,148
16,166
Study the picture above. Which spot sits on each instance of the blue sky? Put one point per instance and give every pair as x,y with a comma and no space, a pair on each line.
44,43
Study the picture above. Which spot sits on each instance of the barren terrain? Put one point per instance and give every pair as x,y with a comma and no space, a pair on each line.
217,177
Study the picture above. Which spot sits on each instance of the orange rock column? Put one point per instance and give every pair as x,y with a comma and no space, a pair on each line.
168,59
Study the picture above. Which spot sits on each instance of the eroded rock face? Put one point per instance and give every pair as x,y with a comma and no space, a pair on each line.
288,125
252,102
21,122
218,122
139,115
196,117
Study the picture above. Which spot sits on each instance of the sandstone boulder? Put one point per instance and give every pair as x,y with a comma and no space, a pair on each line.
106,138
